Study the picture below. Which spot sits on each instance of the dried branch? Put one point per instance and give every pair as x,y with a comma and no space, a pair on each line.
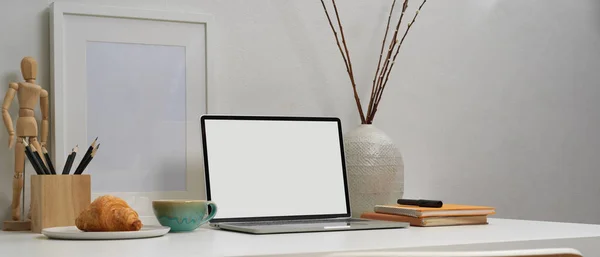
346,57
383,71
335,35
380,93
350,71
387,28
393,43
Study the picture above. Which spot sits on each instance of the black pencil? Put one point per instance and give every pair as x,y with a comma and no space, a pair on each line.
65,172
37,156
47,156
32,159
89,159
85,157
69,161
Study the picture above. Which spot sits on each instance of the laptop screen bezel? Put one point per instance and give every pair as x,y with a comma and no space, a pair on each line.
204,118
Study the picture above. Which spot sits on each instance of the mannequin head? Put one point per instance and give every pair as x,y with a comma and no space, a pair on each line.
29,69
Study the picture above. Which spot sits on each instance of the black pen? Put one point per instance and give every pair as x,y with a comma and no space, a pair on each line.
421,202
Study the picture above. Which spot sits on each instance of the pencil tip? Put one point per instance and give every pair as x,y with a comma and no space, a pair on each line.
94,151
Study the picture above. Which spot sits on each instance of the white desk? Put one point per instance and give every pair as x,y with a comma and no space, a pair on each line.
499,234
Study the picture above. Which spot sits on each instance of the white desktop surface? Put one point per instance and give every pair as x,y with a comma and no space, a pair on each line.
211,242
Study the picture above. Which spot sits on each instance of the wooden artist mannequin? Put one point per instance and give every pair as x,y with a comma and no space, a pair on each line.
28,94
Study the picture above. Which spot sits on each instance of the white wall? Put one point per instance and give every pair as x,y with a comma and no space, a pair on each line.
492,102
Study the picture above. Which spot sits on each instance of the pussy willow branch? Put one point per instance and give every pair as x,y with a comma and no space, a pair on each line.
346,57
380,93
393,43
382,73
398,48
350,71
387,28
335,35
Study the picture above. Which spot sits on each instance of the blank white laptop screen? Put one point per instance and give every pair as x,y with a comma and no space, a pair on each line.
266,168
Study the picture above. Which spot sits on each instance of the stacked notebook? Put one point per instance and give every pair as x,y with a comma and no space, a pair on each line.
447,215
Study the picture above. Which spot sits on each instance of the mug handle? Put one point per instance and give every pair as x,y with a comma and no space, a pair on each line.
211,214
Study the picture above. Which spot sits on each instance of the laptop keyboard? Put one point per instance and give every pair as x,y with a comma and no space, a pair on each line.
287,222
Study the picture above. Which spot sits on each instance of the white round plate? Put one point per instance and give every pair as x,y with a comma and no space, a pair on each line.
73,232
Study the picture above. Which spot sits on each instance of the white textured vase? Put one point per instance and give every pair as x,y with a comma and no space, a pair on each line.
375,169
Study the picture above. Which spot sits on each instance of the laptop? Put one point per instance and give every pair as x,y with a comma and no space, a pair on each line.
272,174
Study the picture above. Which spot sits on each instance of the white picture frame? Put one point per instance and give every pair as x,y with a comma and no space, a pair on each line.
77,27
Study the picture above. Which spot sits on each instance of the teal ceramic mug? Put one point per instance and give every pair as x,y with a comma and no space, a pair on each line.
183,215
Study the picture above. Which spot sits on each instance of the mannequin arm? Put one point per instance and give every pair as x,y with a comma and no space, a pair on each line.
44,109
8,98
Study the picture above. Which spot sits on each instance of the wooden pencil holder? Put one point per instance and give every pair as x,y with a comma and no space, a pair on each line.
57,200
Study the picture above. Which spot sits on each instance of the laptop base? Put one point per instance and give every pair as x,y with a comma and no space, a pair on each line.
308,226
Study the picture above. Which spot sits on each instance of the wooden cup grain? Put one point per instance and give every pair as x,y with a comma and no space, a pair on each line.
57,200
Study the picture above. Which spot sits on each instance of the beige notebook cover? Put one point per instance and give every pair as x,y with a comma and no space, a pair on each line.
428,221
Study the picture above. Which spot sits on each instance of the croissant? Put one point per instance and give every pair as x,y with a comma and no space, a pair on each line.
108,213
